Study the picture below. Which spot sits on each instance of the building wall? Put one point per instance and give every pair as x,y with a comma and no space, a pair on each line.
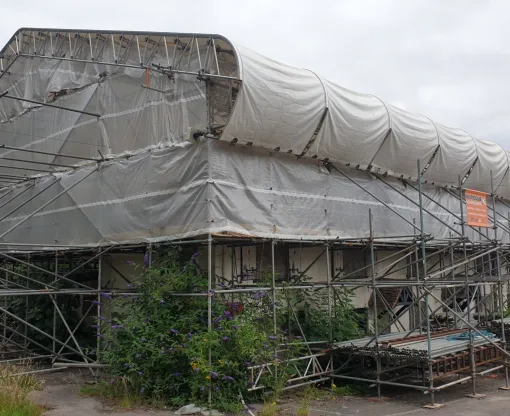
251,263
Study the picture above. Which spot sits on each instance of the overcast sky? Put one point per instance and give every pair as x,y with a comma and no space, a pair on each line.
449,60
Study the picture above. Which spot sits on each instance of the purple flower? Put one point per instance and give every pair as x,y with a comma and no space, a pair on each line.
127,365
131,262
197,370
161,301
218,319
112,381
143,339
202,389
94,326
219,328
227,313
195,255
100,336
225,339
106,295
117,326
137,355
214,374
130,285
216,388
175,374
299,337
101,318
146,259
95,302
228,378
272,337
170,349
139,373
174,331
142,390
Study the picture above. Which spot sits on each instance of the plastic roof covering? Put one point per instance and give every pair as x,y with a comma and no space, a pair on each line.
132,118
280,107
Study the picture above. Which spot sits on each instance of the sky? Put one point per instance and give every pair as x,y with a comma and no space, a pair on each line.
448,60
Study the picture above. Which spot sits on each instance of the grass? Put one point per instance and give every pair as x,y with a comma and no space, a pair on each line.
116,394
10,406
14,390
269,409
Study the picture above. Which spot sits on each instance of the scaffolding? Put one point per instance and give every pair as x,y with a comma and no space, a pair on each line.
455,292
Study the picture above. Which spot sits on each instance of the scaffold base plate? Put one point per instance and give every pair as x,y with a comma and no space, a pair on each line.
433,406
476,396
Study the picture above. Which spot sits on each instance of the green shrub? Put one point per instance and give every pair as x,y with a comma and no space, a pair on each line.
159,344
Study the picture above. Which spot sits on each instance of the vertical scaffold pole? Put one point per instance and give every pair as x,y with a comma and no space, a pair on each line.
500,284
209,304
427,307
99,288
467,294
374,304
54,347
417,269
328,282
273,287
330,311
26,306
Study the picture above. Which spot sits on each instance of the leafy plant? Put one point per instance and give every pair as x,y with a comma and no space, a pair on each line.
161,346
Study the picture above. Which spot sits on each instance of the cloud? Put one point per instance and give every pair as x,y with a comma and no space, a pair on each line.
447,60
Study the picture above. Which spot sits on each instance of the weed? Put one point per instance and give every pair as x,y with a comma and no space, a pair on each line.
13,406
116,393
14,390
269,409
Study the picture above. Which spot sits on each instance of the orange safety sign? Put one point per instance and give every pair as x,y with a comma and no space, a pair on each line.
476,208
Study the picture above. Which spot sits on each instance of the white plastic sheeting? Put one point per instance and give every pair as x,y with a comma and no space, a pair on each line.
131,117
191,190
158,186
280,107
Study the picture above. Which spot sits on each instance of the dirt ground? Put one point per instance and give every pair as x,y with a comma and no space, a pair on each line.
61,395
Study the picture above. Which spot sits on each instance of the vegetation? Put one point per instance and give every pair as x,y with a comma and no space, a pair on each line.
13,393
160,347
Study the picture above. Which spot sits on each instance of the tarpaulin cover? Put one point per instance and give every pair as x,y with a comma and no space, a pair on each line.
155,184
193,189
281,106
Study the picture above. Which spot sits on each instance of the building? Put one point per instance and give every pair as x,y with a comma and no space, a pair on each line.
116,142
